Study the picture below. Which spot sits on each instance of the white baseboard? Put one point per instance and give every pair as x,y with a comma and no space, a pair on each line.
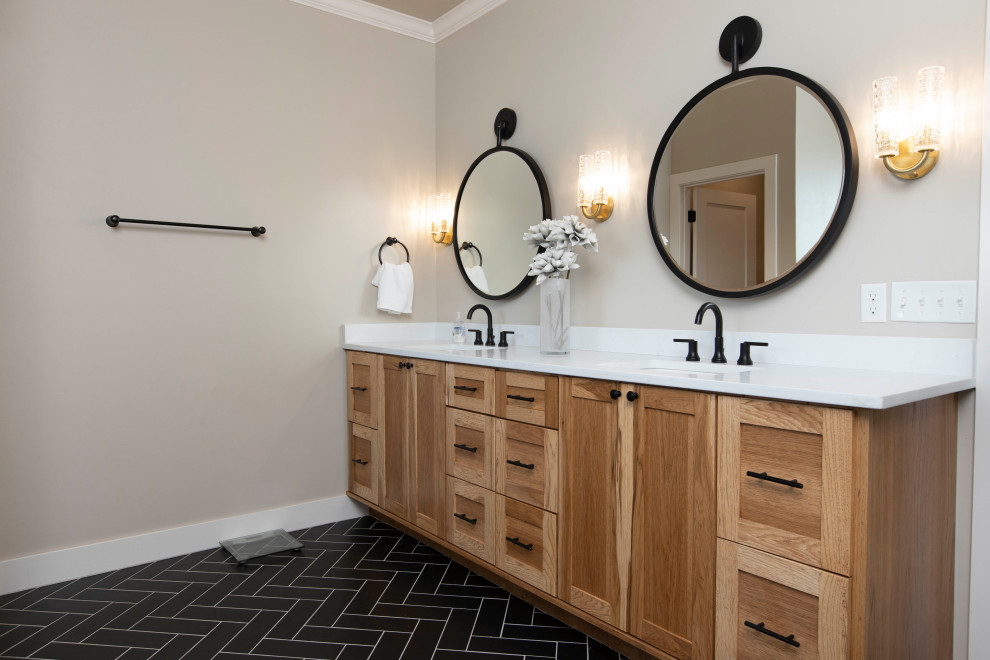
73,563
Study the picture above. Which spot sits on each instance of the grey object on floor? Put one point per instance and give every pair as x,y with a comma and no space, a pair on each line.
253,546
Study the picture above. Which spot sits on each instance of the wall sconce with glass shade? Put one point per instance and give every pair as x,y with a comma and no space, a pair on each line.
595,185
439,212
915,156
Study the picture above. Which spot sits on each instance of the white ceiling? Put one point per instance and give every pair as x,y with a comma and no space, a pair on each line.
429,20
427,10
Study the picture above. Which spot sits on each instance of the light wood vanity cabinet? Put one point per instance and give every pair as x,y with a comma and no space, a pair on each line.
471,388
601,503
837,528
366,456
638,511
363,388
412,406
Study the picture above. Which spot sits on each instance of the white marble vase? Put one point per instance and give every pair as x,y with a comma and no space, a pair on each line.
555,316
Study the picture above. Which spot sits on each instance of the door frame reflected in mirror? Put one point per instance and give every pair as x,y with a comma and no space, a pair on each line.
847,191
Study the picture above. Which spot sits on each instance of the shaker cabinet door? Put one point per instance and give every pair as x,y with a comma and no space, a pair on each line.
595,500
673,530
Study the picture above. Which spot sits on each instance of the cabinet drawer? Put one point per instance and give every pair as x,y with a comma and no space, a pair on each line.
471,518
469,446
768,607
471,388
525,397
526,463
526,543
366,458
785,484
362,388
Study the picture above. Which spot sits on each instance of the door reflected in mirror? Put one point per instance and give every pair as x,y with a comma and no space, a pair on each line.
748,183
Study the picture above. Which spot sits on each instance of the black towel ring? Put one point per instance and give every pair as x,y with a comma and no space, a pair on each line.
391,240
471,246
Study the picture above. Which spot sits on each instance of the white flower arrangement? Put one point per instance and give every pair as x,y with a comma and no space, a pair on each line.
558,237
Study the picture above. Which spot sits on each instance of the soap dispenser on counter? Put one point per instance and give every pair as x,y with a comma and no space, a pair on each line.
458,331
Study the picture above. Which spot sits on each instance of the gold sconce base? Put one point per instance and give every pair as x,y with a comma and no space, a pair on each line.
599,212
908,164
442,238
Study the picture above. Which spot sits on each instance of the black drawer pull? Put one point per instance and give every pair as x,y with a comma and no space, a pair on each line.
527,546
359,461
473,521
464,388
766,631
520,398
360,389
528,466
615,394
793,483
466,448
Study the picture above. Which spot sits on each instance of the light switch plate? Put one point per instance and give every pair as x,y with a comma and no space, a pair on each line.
874,303
933,302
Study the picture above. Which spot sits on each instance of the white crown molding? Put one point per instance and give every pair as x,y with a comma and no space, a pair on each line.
464,13
388,19
381,17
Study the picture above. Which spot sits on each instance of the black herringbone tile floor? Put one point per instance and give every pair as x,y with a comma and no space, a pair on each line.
359,590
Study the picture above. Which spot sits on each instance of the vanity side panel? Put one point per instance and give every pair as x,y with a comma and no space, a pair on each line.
903,606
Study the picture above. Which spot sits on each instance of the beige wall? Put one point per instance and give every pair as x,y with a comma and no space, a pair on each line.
151,378
583,75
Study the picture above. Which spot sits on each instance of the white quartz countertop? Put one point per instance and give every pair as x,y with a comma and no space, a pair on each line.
812,384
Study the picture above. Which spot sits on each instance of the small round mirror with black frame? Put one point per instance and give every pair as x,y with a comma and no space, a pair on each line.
754,179
503,193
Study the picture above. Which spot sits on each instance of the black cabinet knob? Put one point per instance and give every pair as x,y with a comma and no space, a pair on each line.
632,396
615,394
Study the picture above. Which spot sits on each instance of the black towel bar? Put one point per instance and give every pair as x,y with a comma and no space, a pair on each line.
114,220
392,240
471,246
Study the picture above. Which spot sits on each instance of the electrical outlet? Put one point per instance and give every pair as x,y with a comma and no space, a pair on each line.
874,303
933,302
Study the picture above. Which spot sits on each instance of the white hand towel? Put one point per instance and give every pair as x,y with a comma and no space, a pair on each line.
477,277
395,288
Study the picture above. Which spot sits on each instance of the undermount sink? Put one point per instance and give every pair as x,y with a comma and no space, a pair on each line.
455,347
697,367
683,365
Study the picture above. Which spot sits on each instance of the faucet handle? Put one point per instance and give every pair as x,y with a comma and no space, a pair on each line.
692,355
744,357
477,337
503,338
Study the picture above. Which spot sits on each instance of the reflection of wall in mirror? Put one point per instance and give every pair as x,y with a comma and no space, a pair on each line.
818,171
500,201
710,135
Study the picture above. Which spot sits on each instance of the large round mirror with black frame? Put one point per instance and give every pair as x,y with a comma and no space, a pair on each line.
754,178
503,193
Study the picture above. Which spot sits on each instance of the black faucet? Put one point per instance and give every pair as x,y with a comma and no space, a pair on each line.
719,357
490,341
